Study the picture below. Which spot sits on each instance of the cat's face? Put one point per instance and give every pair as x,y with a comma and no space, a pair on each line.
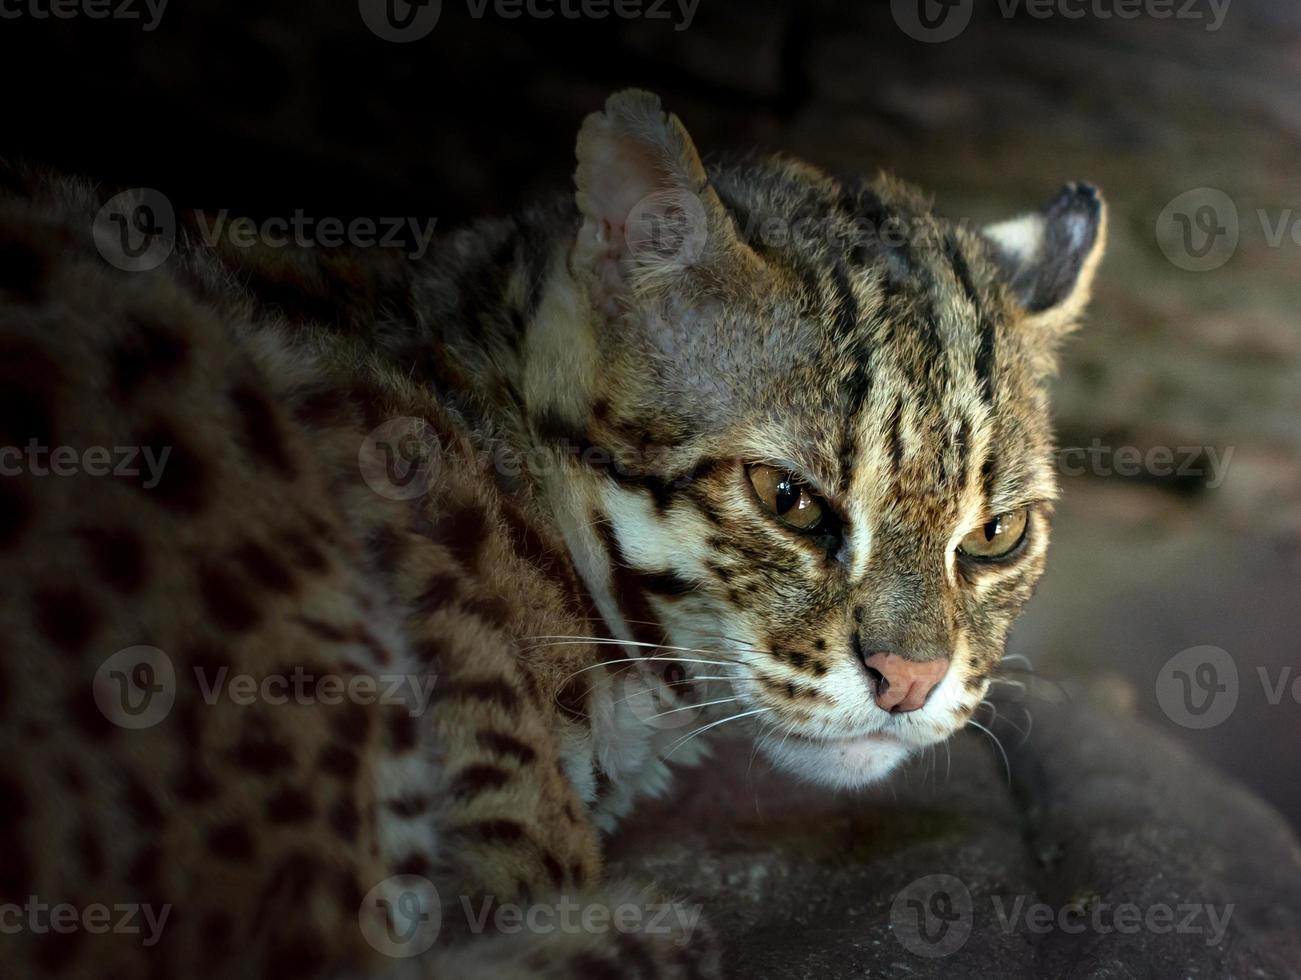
848,486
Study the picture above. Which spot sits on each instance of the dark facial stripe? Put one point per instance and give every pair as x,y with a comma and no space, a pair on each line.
895,437
846,302
626,586
985,353
987,477
666,583
962,449
985,361
859,388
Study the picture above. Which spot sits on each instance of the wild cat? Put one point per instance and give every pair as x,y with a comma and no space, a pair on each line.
644,450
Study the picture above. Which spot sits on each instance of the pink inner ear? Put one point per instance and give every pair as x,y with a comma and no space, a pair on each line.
623,171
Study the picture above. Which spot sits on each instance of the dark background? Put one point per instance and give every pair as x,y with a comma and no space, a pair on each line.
278,107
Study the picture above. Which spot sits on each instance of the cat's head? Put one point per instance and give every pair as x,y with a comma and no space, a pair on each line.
835,407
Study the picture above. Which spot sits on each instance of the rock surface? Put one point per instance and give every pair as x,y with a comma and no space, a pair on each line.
1113,854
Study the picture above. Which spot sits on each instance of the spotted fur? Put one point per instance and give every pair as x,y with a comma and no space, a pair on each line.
589,382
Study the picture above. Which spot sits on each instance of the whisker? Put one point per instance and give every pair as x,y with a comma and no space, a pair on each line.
996,717
1007,766
688,707
700,731
558,641
1009,657
749,647
640,660
648,690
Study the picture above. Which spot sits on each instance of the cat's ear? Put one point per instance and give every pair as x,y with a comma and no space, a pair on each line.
648,212
1049,258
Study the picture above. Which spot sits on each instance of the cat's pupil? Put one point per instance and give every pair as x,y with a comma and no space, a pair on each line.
788,495
992,529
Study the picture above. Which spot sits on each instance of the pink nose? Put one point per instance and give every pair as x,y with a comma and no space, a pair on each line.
905,684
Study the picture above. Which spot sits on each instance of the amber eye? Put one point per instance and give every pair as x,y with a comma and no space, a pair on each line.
782,493
996,538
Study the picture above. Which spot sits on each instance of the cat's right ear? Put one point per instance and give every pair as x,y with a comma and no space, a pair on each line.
1049,258
648,212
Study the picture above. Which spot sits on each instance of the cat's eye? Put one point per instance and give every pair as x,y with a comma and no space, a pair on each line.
782,493
998,537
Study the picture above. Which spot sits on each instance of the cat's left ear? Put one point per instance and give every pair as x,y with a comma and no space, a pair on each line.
1049,258
649,215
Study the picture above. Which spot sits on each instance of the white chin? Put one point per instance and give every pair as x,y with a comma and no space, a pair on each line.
840,763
